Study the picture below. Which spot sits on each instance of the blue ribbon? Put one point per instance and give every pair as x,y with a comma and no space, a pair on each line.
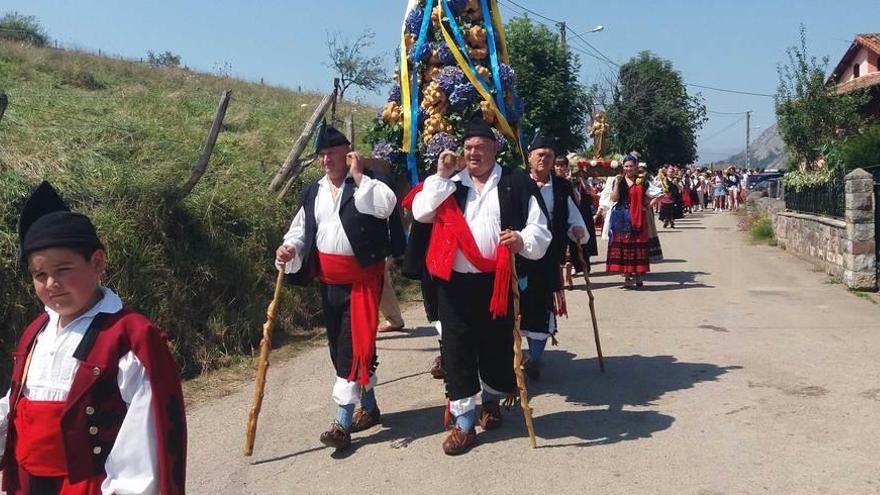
493,58
411,163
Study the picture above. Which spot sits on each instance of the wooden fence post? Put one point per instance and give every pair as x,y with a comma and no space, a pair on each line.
202,163
4,101
289,165
349,128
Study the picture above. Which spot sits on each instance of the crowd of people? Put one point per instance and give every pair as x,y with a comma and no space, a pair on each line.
95,379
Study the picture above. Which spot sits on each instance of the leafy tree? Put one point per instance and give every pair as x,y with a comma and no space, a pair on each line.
652,112
26,28
809,112
546,78
164,59
353,66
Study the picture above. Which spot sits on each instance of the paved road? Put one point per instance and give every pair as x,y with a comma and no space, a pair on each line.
737,369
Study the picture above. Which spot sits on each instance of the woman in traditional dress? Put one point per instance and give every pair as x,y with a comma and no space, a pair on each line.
671,206
628,247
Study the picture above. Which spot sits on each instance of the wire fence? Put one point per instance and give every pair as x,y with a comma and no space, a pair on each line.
826,199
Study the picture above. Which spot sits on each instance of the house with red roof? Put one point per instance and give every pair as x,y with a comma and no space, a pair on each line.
860,69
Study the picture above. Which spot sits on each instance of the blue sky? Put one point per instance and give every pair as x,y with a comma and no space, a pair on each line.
720,43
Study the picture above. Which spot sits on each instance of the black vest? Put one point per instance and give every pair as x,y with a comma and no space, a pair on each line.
515,191
372,239
562,190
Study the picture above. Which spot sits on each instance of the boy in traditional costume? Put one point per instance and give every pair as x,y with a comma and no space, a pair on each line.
542,295
481,215
95,404
340,236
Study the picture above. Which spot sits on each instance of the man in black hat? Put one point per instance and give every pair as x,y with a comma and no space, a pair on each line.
482,215
543,298
340,235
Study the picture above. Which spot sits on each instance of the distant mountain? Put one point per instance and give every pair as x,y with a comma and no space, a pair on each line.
767,151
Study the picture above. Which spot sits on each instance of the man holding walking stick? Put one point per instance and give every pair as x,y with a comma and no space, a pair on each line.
543,298
340,236
481,215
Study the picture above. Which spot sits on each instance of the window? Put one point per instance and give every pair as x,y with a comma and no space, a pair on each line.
856,70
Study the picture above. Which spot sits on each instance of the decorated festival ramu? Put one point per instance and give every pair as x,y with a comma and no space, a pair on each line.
452,64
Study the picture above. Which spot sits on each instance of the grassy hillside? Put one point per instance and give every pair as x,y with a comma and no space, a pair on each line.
118,139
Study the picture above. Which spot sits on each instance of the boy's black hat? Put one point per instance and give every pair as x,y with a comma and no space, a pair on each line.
47,222
329,136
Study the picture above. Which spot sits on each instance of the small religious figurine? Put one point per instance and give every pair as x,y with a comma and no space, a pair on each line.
598,132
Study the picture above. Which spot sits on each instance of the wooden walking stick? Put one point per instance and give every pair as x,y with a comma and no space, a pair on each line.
580,253
517,355
262,366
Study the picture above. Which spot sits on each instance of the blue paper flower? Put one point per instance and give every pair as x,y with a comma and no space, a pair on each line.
463,95
500,140
507,75
439,143
383,150
444,54
395,94
414,21
424,55
448,78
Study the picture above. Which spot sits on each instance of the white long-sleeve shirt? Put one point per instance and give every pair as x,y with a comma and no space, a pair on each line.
132,465
483,215
575,219
372,198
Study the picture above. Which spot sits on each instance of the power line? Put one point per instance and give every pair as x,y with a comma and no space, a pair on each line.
730,114
530,11
722,131
606,59
731,90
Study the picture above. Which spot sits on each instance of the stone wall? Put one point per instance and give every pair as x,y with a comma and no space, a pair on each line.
844,248
820,240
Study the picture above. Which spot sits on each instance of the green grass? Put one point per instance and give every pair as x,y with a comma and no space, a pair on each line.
118,139
762,230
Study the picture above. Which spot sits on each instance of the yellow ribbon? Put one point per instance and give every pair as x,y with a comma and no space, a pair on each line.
405,94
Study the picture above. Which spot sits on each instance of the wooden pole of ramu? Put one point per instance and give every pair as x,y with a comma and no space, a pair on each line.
285,172
202,163
262,366
517,355
584,264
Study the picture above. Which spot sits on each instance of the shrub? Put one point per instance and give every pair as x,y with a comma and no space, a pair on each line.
762,229
863,149
165,59
80,77
26,28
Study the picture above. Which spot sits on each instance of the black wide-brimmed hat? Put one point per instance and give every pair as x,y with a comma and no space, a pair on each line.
542,141
329,137
47,222
478,127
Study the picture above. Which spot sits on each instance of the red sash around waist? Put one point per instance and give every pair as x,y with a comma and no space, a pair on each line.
366,292
451,234
39,447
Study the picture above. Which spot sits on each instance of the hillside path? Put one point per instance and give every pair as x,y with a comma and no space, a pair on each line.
738,369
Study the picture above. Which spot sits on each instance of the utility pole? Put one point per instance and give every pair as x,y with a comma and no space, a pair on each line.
562,32
748,138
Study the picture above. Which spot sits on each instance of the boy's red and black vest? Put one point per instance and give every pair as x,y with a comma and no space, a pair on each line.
94,409
372,239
